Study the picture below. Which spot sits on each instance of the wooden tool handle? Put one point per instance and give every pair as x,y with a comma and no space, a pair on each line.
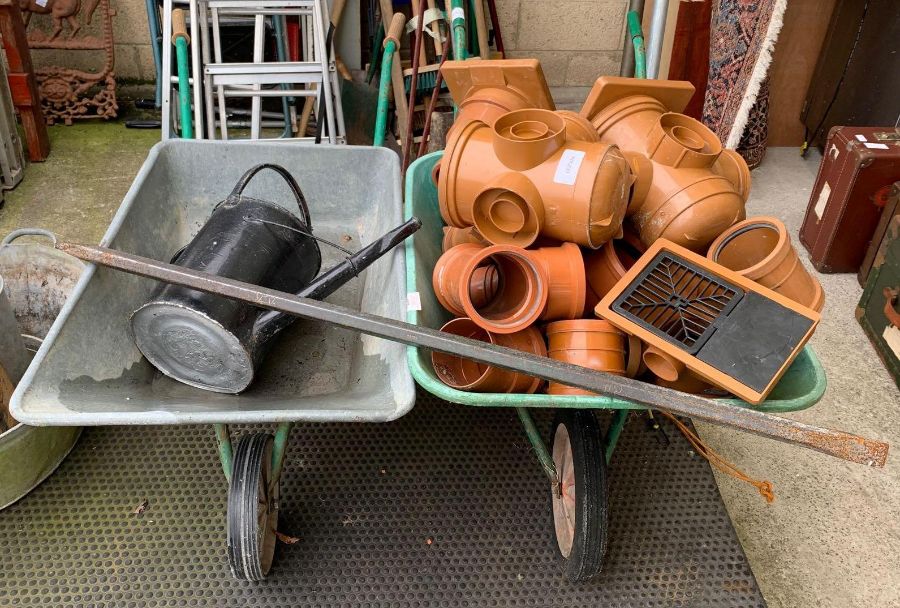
179,28
484,48
395,31
387,12
437,30
337,9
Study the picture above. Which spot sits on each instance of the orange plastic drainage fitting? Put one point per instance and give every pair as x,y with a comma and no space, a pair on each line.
467,375
687,201
662,365
519,292
591,343
524,177
760,249
578,127
687,189
564,266
608,264
457,236
447,279
689,383
485,90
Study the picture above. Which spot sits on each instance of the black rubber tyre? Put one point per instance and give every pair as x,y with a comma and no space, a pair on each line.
581,513
252,509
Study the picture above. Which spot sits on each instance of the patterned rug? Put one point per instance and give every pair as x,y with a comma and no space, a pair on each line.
742,38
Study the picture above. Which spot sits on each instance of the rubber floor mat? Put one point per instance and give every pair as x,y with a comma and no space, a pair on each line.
445,507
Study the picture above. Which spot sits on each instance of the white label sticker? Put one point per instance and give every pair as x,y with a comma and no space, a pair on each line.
457,13
824,195
876,146
861,137
891,337
567,169
413,301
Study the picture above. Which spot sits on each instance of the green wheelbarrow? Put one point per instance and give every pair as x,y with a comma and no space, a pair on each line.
580,452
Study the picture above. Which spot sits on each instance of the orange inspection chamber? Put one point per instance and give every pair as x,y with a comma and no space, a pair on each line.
528,176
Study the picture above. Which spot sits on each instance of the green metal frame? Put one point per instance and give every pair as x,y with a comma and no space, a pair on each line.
279,449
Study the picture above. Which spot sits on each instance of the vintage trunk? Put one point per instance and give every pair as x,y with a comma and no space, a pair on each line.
851,190
890,211
879,308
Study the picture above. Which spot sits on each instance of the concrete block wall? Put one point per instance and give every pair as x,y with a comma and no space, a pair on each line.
575,40
134,59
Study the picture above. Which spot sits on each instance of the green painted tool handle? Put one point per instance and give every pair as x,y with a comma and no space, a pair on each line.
384,93
458,25
391,45
180,38
637,39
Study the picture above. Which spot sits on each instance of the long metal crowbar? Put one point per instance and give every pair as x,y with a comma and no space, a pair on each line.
835,443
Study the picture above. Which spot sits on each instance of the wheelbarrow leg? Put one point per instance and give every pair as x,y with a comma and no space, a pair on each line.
615,430
279,449
226,456
540,449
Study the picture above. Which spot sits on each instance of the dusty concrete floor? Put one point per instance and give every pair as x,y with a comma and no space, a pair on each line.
831,538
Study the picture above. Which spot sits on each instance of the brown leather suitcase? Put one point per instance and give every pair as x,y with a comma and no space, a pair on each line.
891,210
858,169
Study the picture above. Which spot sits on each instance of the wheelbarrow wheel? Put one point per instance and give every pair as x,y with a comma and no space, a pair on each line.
581,511
252,508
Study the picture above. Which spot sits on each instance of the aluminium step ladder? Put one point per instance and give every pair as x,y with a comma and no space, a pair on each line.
255,79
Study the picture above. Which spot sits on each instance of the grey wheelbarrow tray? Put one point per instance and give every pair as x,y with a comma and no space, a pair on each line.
89,372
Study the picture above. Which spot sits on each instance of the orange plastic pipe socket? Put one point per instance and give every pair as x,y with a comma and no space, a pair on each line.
662,365
591,343
564,266
505,300
504,289
467,375
760,249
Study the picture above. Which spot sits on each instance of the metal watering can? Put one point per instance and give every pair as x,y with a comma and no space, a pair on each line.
215,343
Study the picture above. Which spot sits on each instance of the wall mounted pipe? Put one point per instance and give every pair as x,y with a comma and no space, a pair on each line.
657,34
